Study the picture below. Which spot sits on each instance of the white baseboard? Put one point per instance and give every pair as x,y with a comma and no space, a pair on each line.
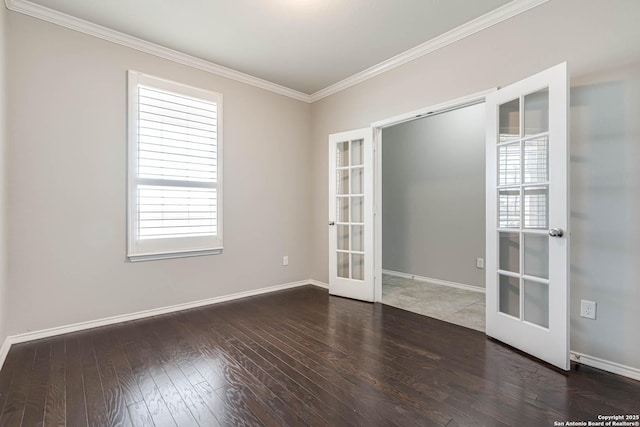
6,345
585,359
435,281
318,284
606,365
59,330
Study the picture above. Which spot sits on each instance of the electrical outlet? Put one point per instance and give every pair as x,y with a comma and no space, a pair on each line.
285,260
588,309
479,262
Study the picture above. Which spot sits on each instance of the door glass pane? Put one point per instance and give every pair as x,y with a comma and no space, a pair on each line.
343,264
536,112
357,238
350,187
342,153
343,209
536,160
357,266
509,121
509,208
509,252
536,303
357,209
343,237
510,295
357,179
509,164
536,207
343,181
536,255
356,152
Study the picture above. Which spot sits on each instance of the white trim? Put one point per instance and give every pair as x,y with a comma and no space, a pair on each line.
377,214
164,248
362,288
434,281
453,104
59,330
318,283
474,98
170,255
4,350
584,359
551,344
485,21
606,365
77,24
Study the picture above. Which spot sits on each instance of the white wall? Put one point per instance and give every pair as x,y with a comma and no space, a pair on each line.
433,196
67,175
3,180
594,37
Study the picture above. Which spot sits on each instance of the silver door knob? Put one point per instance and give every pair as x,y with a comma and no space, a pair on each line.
556,232
332,223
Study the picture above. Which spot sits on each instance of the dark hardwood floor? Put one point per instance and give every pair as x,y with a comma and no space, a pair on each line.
294,358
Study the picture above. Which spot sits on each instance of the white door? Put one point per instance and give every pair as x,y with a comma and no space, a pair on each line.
351,214
527,280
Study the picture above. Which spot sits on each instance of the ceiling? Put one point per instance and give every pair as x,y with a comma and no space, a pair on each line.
305,45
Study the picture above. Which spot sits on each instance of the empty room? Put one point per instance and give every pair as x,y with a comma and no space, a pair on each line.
433,215
197,224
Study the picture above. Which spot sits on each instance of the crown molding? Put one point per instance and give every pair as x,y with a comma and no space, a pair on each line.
86,27
487,20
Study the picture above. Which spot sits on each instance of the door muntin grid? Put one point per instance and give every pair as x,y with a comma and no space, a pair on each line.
350,227
523,208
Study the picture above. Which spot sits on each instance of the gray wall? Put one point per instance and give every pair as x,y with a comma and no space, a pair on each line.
433,196
605,207
67,136
599,40
3,180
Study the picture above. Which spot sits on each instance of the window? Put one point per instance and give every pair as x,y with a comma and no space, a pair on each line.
174,170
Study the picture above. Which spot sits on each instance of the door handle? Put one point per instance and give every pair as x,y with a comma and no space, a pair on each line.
332,223
556,232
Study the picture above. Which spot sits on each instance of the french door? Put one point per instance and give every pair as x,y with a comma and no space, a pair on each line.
527,282
351,214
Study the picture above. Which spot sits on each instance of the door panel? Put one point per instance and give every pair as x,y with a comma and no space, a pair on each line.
527,200
351,214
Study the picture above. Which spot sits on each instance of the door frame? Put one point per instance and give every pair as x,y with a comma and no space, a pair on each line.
378,126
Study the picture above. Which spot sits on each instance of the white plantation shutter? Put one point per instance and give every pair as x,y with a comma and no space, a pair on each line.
174,169
169,212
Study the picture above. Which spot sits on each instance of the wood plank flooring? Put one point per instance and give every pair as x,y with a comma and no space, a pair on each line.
295,358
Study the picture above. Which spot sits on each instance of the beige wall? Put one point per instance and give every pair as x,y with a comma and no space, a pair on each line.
3,181
68,179
593,37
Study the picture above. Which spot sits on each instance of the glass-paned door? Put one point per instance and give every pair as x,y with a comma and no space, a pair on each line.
527,216
351,214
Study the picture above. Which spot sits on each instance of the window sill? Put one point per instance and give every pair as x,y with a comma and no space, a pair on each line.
170,255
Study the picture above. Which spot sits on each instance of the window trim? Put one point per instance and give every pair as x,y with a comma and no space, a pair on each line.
179,247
